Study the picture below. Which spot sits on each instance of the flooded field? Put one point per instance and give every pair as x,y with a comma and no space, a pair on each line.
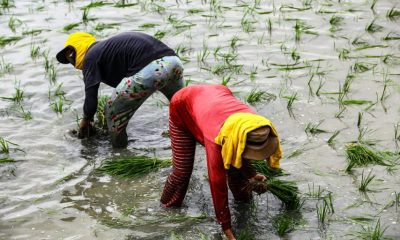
325,72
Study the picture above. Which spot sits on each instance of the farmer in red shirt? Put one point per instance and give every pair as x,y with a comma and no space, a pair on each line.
232,135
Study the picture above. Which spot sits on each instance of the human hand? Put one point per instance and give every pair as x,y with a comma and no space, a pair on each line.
229,234
258,184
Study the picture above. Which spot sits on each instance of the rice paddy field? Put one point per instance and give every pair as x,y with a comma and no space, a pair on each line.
326,72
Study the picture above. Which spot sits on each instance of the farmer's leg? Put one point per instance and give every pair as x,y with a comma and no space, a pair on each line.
171,67
239,186
128,97
183,149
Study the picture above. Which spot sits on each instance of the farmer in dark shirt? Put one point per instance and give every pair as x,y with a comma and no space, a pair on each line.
134,63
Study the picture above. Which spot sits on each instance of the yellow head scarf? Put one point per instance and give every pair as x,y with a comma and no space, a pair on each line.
233,134
81,42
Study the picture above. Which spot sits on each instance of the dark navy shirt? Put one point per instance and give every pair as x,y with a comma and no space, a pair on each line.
111,60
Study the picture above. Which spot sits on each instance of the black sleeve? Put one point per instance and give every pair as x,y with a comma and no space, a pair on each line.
90,105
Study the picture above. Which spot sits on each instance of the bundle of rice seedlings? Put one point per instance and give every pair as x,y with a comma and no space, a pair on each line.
360,154
132,166
286,191
263,168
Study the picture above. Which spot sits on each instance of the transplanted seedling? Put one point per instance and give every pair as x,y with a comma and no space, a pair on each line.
283,224
372,232
393,14
313,128
365,181
5,40
360,154
256,96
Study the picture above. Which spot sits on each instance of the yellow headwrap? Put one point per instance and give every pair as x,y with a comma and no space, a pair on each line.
81,42
233,134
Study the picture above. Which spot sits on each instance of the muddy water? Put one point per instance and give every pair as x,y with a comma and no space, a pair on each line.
52,191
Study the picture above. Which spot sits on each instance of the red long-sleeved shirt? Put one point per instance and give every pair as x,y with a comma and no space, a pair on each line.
201,110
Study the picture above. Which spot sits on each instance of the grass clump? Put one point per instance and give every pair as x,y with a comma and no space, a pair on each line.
360,154
132,166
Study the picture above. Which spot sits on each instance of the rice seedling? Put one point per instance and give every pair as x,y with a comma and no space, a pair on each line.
124,3
18,96
6,160
247,25
397,132
132,166
360,67
160,34
360,154
6,3
393,14
234,42
313,192
95,4
4,146
178,23
101,121
57,92
103,26
5,40
365,181
355,102
58,106
193,11
35,52
269,26
14,23
26,115
291,100
313,128
52,74
291,8
203,54
70,27
322,211
148,25
5,67
344,54
283,225
334,135
335,22
246,234
302,27
373,27
373,4
391,36
372,232
225,80
386,82
320,85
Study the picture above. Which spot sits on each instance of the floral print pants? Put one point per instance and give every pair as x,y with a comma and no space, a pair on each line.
164,74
